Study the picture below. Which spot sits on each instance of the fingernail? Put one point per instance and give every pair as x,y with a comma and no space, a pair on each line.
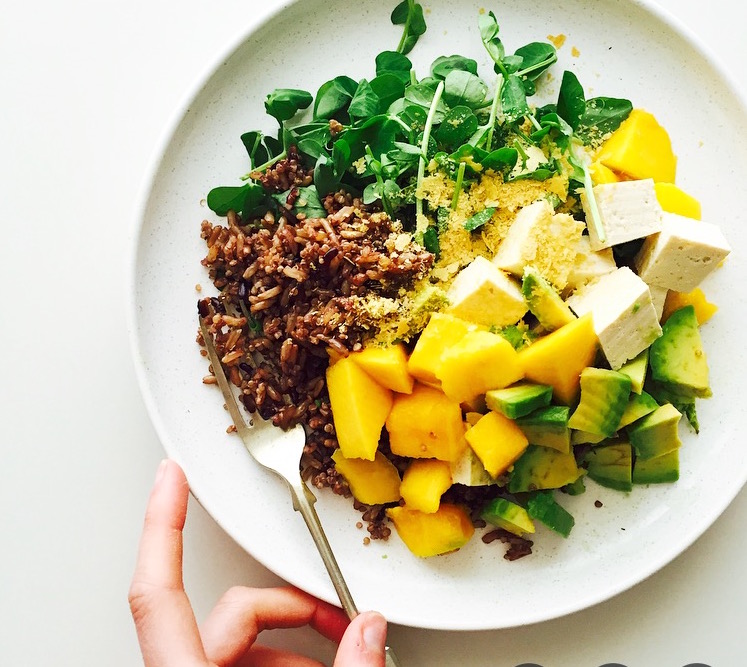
374,632
161,470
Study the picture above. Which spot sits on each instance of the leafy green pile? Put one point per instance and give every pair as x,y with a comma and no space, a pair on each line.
375,138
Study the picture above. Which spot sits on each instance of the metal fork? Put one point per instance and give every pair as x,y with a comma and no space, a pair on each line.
281,454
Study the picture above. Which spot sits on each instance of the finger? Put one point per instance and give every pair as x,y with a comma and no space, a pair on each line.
364,642
164,620
242,613
264,656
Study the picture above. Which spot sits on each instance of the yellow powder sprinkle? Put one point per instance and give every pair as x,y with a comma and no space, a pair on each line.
575,52
557,40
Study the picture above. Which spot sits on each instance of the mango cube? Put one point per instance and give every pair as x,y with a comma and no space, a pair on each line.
426,425
441,332
432,534
478,362
704,309
602,174
558,358
371,482
386,365
674,200
497,441
640,148
423,484
360,406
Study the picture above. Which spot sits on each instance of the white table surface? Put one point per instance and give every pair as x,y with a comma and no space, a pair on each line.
87,89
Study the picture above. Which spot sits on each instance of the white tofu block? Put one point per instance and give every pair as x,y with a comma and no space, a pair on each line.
624,316
483,294
543,239
628,210
682,254
589,264
515,251
658,298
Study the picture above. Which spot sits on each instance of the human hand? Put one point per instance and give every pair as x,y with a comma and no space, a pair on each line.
166,626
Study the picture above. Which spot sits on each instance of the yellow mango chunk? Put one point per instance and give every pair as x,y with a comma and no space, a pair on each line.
704,310
640,148
423,484
371,482
426,425
432,534
497,441
386,365
674,200
558,358
360,406
441,332
478,362
602,174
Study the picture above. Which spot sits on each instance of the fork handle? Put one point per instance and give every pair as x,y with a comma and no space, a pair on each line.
303,502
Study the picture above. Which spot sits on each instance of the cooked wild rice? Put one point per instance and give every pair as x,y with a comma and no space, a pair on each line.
286,288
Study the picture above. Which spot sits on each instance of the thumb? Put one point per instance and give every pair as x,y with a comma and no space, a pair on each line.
364,642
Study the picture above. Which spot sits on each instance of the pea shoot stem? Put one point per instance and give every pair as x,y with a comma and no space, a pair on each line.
423,153
264,166
458,186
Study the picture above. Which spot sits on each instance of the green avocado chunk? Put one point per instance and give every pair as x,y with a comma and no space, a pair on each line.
508,515
604,397
548,427
543,507
542,468
543,301
677,357
518,400
611,465
639,405
636,370
658,470
656,433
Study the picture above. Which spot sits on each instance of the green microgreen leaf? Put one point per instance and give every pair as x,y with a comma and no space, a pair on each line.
365,102
409,14
457,127
334,96
464,88
395,63
444,64
571,99
284,103
479,219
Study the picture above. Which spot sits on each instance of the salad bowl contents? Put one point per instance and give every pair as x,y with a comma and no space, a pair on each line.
345,286
477,304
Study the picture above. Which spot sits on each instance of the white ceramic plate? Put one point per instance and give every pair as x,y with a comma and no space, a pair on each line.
624,49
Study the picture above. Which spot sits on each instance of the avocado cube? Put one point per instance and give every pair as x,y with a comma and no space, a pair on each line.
542,468
639,405
658,470
548,427
636,370
543,507
678,359
604,397
544,301
611,465
509,516
656,433
519,399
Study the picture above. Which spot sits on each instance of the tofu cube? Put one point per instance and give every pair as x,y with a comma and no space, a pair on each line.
624,316
589,264
658,298
483,294
543,239
628,210
682,254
